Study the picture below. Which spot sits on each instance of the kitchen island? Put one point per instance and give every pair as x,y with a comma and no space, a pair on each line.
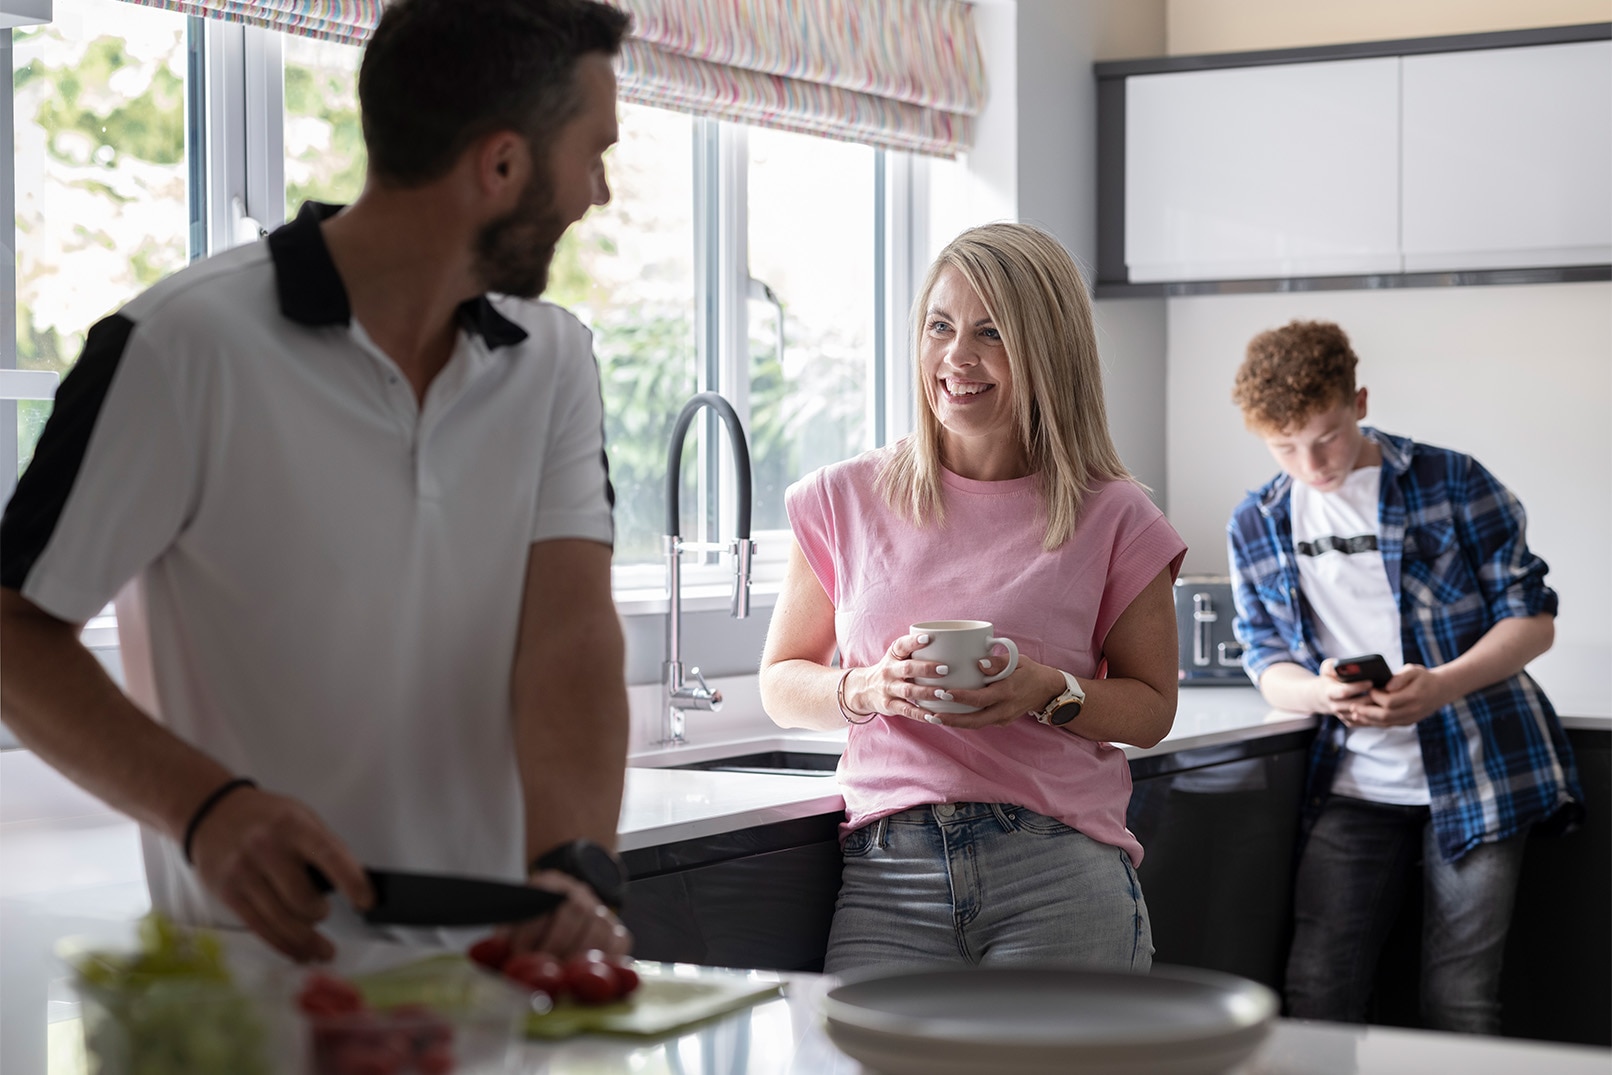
70,865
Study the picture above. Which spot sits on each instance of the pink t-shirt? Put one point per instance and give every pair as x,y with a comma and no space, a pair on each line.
986,562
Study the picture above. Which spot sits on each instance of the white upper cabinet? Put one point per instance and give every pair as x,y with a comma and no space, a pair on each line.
1272,171
1508,157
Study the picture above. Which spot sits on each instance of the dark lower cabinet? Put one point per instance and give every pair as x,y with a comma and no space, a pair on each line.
1558,977
1219,829
1219,835
761,898
1557,982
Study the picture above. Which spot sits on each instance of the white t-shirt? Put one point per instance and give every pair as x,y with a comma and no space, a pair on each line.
1341,573
323,576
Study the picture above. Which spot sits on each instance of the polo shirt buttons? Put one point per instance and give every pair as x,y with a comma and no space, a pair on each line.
945,809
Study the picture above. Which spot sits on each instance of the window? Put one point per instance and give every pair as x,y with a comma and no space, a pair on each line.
812,298
627,269
101,178
324,144
733,259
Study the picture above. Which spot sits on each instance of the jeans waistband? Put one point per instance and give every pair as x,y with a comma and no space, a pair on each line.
950,814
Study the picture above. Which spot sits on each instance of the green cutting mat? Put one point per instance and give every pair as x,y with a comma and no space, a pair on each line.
663,1003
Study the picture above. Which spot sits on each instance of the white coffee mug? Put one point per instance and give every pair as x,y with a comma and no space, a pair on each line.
960,645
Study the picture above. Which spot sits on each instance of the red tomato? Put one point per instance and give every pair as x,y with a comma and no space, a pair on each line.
437,1060
490,951
591,981
626,976
325,994
536,970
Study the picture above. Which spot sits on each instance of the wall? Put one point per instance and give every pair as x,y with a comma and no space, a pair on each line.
1197,26
1057,42
1520,377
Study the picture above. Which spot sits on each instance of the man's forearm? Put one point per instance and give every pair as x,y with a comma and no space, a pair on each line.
60,703
571,730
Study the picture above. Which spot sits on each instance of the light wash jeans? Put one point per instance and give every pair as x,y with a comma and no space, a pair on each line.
1354,872
985,884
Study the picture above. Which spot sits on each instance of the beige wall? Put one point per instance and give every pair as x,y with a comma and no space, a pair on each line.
1195,26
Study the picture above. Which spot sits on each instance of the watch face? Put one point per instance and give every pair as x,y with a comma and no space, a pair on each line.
1064,713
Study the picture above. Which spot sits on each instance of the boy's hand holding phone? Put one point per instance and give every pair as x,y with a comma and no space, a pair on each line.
1390,699
1337,695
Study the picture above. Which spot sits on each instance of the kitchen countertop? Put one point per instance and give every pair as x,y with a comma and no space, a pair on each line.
68,864
787,1036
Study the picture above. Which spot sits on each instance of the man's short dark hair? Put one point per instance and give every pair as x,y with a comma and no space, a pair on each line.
439,74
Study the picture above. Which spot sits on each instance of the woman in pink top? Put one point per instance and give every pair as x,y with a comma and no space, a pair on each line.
994,836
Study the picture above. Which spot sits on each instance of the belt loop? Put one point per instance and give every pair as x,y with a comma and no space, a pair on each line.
881,832
1002,818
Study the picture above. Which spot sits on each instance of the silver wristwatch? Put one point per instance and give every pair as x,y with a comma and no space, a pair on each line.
1066,706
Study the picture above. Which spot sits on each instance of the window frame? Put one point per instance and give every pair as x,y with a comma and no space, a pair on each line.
235,124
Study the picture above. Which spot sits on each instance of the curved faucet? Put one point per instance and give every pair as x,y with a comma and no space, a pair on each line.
679,696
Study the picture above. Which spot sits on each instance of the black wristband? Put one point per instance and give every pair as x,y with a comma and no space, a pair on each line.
593,864
206,808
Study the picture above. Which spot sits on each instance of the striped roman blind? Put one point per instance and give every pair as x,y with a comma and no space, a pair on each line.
901,74
347,21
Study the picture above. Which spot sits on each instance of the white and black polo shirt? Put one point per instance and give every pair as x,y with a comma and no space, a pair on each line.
318,580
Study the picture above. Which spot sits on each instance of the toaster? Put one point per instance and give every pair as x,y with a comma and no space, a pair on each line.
1209,651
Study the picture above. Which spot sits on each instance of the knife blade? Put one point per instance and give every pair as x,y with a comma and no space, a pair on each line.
426,899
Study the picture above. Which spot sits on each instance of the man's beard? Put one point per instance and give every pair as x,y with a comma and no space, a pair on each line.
513,252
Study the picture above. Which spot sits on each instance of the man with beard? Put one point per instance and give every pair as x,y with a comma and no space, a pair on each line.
348,488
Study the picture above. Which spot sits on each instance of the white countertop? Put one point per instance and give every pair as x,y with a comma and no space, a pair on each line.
787,1036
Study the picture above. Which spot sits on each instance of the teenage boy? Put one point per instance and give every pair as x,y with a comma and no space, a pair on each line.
1371,543
348,485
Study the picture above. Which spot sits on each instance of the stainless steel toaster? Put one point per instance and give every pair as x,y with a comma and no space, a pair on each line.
1209,650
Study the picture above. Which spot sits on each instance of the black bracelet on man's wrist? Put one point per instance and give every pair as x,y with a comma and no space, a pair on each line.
206,808
593,864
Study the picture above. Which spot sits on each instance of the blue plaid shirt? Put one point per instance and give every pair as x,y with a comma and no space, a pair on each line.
1453,545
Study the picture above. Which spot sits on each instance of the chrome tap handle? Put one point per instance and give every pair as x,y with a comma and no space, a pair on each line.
744,551
701,697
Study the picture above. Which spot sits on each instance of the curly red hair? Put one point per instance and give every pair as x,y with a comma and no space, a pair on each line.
1292,373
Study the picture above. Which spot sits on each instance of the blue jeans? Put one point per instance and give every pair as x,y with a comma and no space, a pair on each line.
985,884
1353,875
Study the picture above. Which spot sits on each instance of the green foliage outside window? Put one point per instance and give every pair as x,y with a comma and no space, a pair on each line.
99,151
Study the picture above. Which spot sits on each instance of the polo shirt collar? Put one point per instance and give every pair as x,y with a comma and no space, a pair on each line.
311,292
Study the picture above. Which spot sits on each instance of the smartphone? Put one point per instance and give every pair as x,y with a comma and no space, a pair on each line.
1369,666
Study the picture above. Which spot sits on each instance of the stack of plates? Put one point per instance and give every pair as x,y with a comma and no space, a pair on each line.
1030,1021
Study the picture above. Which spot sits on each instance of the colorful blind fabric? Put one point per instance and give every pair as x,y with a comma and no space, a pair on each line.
347,21
902,74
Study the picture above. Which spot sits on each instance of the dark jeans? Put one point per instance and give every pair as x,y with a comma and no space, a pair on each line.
1353,875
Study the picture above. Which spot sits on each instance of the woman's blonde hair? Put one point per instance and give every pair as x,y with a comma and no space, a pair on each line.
1034,294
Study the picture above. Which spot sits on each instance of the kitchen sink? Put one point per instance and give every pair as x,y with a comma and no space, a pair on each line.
772,762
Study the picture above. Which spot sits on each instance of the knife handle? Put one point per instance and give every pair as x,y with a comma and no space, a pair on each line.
320,882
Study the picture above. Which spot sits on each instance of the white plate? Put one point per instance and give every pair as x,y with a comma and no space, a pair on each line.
1028,1021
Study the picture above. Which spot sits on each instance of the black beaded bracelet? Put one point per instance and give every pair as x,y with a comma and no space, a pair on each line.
207,805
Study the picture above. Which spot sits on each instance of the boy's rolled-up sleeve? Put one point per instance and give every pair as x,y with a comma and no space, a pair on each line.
1492,527
1256,630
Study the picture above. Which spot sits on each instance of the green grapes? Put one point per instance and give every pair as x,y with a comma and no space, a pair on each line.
168,1008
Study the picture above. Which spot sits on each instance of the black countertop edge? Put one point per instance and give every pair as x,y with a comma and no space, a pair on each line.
1357,50
645,862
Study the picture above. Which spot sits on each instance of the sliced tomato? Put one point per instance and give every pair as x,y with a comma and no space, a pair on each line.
490,952
591,981
538,971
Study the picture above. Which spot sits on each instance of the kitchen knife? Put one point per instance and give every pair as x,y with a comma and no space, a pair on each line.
425,899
